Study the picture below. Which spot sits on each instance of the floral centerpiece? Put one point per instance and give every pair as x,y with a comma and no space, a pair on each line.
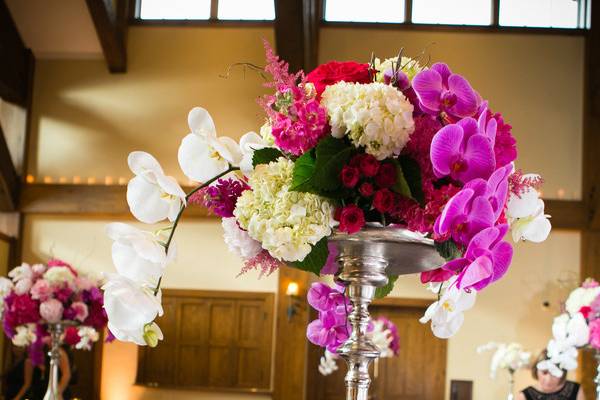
576,327
38,295
507,356
391,142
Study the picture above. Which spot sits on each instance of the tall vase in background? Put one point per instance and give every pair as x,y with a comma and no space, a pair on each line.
56,330
511,384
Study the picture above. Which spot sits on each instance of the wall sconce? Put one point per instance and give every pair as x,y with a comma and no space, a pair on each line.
293,300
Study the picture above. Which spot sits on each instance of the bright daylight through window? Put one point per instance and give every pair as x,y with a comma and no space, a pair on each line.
255,10
456,12
364,11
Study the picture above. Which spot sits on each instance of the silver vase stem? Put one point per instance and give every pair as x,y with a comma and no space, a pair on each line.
511,385
361,275
597,378
56,331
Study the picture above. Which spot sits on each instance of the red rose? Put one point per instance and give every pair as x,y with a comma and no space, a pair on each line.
369,166
352,219
350,176
71,336
335,71
386,176
383,200
585,310
366,189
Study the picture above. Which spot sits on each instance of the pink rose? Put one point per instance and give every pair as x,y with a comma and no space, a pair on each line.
51,310
80,310
41,290
83,283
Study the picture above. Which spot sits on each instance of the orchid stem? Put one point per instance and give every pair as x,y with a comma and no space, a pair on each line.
182,208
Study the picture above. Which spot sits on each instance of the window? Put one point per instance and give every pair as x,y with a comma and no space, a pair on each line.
364,11
252,10
456,12
246,10
542,13
175,9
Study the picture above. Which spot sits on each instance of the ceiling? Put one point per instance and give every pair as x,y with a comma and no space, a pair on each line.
56,28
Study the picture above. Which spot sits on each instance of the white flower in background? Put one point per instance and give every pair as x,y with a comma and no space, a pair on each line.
569,333
151,195
381,337
548,365
130,307
152,334
581,297
525,214
238,240
59,275
21,272
38,269
375,115
138,255
23,286
6,286
88,336
249,143
202,155
25,335
286,223
328,364
511,357
408,65
446,314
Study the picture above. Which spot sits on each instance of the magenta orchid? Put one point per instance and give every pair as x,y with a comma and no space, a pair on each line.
331,329
440,91
465,150
486,260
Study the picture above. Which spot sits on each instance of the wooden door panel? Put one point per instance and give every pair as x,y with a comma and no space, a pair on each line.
194,324
193,366
223,325
220,367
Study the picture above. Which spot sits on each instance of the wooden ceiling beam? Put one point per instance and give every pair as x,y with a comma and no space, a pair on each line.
110,22
17,61
297,32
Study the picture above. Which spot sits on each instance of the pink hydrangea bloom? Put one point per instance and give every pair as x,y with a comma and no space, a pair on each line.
51,310
41,290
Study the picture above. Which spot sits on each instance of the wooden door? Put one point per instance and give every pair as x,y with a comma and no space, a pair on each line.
417,373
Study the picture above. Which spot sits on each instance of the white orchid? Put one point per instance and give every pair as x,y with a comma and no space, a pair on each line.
569,333
446,314
25,335
202,155
249,143
138,255
548,365
381,338
152,196
525,214
328,363
130,307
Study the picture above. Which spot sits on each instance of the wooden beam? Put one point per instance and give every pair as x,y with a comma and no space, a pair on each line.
590,240
296,32
16,61
567,214
95,200
110,20
9,180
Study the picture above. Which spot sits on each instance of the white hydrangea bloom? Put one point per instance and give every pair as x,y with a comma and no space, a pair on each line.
238,240
88,336
59,275
375,116
286,223
409,66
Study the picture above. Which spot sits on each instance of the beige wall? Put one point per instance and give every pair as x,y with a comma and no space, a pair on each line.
535,81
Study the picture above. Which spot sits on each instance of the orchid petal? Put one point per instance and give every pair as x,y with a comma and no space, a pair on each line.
537,230
145,201
201,123
445,147
479,270
480,159
524,206
469,126
453,208
443,70
141,162
467,100
195,159
428,86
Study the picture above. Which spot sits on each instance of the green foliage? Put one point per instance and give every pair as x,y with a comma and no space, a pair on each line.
265,156
401,186
412,175
383,291
315,260
332,154
304,168
448,249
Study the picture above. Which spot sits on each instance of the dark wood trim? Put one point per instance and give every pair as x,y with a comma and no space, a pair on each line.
15,68
408,7
495,13
214,9
455,28
215,294
201,23
111,28
9,180
567,214
403,302
297,32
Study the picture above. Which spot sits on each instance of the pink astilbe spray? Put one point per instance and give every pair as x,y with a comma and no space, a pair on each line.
519,185
262,262
298,121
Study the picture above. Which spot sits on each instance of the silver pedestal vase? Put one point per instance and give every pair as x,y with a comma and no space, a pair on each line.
511,384
367,258
56,331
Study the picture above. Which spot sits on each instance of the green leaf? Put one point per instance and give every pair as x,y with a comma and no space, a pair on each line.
265,156
448,249
401,186
332,154
412,174
316,259
383,291
304,168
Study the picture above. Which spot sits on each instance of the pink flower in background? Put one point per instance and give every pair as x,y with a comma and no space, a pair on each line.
51,310
441,91
38,269
60,263
79,310
83,283
589,283
21,309
41,290
595,334
63,294
71,336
